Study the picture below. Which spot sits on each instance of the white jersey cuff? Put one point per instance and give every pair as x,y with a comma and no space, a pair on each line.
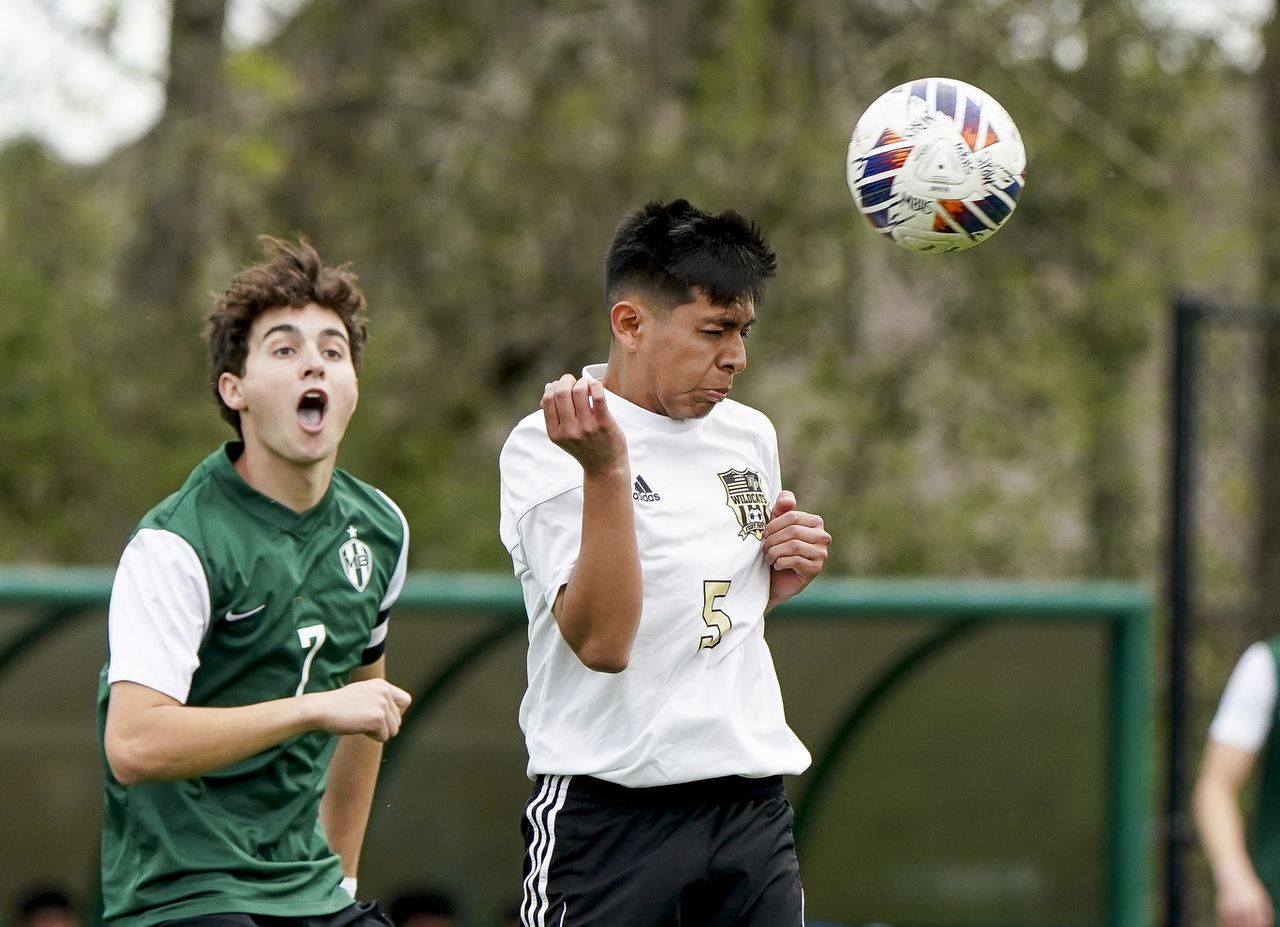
1248,707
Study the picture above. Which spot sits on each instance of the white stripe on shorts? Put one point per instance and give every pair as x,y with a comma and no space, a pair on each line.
541,814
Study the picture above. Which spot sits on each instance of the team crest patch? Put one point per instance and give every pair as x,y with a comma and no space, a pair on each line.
357,560
747,499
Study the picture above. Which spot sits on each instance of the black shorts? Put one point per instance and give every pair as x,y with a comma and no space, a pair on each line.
714,853
360,914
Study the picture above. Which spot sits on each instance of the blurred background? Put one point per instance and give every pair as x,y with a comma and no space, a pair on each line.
1001,413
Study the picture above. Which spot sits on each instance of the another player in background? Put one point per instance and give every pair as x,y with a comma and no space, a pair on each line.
424,907
646,519
45,906
247,625
1246,870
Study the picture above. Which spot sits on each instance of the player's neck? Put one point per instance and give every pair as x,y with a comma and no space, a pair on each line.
622,380
296,486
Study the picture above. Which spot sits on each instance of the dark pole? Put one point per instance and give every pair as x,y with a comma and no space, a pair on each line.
1177,829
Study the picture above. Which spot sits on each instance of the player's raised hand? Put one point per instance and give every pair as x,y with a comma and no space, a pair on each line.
578,421
795,547
372,707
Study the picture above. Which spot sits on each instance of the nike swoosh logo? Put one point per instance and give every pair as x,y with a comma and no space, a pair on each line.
236,616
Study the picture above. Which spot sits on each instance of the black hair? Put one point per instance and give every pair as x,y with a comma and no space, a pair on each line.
417,901
42,898
672,251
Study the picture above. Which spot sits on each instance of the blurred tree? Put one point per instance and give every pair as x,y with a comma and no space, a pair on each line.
173,195
1267,217
52,335
472,162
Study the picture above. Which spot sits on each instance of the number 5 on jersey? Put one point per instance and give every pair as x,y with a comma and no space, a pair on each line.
717,621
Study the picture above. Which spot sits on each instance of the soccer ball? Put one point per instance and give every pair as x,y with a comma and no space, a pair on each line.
936,165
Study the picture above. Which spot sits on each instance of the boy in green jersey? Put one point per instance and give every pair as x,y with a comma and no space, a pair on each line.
243,705
1244,858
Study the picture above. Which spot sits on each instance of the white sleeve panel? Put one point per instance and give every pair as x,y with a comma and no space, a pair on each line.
159,613
402,565
533,471
776,472
378,635
1248,704
550,537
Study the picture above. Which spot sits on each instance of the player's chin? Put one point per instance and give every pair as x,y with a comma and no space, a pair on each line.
311,448
698,408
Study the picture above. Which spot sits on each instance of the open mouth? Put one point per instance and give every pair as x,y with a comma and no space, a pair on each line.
311,409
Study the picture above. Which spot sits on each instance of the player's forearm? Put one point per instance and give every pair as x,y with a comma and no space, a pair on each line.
150,736
600,609
1216,808
344,809
165,742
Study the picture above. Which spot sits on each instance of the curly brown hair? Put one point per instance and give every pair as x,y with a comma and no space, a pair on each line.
293,275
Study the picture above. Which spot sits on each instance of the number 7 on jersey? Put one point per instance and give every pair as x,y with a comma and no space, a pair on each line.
311,637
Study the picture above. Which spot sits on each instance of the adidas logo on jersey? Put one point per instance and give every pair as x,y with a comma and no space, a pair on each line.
642,492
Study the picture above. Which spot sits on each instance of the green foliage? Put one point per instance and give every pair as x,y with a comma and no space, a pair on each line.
967,414
53,332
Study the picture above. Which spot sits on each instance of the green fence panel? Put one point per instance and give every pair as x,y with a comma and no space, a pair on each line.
481,631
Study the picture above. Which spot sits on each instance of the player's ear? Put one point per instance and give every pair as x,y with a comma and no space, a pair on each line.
230,390
625,320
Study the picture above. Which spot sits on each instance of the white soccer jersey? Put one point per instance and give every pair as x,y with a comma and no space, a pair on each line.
700,696
1248,704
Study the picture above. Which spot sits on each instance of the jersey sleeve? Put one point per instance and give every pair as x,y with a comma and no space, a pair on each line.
1248,705
158,614
378,636
541,506
550,538
775,464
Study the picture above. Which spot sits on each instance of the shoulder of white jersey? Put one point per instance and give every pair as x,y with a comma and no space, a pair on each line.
532,470
746,413
528,456
1258,665
740,417
528,436
534,421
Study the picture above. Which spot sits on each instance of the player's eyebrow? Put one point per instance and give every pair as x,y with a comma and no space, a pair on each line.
293,330
729,320
283,327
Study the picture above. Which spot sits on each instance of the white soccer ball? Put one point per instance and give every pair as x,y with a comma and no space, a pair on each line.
936,165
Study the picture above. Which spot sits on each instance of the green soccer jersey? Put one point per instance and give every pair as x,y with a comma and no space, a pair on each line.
224,597
1264,842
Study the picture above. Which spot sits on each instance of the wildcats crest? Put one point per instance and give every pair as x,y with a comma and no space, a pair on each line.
746,497
357,560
